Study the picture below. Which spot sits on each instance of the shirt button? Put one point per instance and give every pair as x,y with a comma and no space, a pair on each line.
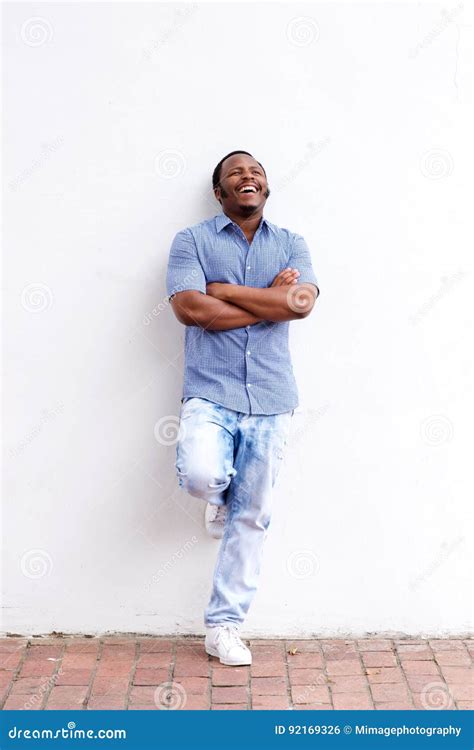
248,353
248,268
248,328
249,385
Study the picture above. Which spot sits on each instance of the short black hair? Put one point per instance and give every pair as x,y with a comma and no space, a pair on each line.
216,175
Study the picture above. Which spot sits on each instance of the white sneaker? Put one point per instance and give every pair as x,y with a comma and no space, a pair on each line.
214,518
223,641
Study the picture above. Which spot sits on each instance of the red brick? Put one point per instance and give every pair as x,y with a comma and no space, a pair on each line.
379,659
462,692
120,669
344,667
375,645
314,707
150,676
413,648
155,660
306,661
310,694
466,705
270,702
192,670
269,686
144,694
303,646
384,674
230,676
44,652
446,644
79,661
390,692
419,682
307,677
86,646
335,653
268,669
6,676
143,707
10,659
229,707
30,685
38,667
196,703
106,703
68,694
153,645
18,703
463,675
422,654
394,706
453,658
229,695
195,685
354,702
420,667
73,677
110,685
441,701
348,684
8,645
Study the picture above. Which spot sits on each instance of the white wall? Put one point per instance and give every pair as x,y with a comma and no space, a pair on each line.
114,117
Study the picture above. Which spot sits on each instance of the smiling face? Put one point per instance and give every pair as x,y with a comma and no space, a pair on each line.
243,187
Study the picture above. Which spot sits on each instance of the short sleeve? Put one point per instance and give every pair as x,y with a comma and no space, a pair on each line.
185,271
300,258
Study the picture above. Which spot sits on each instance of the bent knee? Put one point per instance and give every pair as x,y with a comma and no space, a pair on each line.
203,483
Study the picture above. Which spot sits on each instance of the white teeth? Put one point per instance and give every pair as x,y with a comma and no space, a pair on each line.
248,189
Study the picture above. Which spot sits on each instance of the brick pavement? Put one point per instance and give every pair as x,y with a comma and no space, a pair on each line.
152,673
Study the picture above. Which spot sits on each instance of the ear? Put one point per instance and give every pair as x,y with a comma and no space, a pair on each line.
217,193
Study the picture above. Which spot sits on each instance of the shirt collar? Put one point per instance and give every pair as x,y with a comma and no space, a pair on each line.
222,220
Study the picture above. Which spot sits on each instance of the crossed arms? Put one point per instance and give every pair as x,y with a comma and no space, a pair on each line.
227,306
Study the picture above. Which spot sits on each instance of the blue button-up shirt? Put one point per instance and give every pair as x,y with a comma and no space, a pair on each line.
245,369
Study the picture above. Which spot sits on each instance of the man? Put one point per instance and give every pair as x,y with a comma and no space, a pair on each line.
235,282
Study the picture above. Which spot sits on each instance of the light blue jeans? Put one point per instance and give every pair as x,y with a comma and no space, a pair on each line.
225,456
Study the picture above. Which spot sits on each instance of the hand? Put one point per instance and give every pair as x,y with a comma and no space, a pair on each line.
286,277
216,289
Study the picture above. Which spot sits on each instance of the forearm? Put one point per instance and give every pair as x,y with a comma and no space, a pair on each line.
212,314
276,304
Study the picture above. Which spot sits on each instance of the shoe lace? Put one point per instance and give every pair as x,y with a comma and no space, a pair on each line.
232,635
220,514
